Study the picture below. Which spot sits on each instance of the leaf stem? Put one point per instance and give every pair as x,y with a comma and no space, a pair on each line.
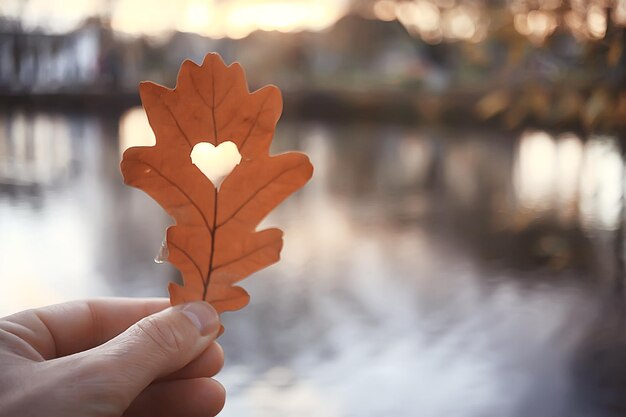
208,278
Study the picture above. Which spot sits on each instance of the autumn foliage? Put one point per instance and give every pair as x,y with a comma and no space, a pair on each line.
214,242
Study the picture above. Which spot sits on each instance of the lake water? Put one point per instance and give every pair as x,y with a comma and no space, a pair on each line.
426,272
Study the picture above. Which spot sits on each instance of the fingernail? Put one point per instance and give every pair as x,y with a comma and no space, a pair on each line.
203,316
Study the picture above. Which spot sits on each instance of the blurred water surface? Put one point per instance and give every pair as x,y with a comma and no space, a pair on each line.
430,272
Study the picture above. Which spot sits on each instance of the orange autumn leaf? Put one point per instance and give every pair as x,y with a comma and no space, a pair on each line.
214,243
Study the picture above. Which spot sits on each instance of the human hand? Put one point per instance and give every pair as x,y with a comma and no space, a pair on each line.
111,357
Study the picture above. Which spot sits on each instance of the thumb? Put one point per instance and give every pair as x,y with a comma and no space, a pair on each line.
160,344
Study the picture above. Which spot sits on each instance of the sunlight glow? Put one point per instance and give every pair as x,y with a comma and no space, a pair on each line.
385,10
460,23
284,16
131,16
596,21
540,24
236,18
434,21
197,18
586,19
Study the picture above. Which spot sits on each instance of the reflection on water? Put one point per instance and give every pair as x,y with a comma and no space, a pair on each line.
602,183
63,215
135,130
425,272
570,177
35,152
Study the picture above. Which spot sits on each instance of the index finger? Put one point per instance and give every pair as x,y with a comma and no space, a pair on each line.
67,328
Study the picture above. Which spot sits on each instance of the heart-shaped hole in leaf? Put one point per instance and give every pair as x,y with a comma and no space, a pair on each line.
215,162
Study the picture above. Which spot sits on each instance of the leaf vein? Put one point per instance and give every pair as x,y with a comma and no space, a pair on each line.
245,255
249,199
256,119
188,256
177,124
193,203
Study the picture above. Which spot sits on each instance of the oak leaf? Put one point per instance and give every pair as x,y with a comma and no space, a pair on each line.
214,242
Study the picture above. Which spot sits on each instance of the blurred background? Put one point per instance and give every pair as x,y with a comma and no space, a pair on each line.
459,251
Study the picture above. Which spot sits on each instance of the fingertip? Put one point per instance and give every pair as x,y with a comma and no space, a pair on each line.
203,316
218,395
